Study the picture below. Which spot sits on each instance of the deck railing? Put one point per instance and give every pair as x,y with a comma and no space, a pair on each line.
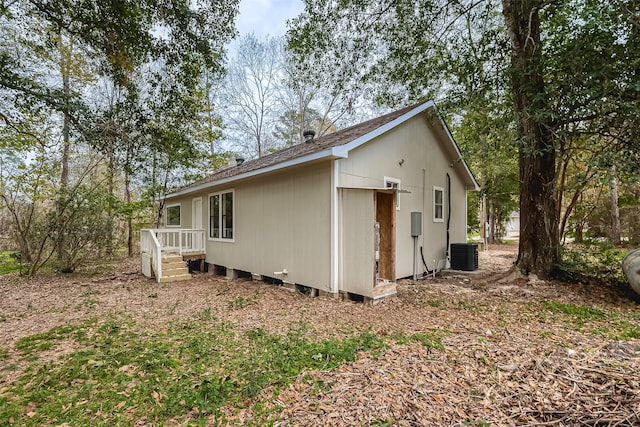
155,241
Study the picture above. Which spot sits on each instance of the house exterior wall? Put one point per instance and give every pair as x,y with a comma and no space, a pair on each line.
410,153
282,221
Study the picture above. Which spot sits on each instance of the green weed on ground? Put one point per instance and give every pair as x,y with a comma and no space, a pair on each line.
612,323
9,262
591,262
122,375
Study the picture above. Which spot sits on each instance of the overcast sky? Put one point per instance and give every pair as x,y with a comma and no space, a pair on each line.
264,17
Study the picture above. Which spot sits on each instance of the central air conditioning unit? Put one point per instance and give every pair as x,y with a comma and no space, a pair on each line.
464,256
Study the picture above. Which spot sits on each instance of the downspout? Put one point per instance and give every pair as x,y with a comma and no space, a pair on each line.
426,272
334,227
446,256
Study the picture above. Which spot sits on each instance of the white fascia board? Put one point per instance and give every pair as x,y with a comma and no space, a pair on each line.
476,186
343,150
293,162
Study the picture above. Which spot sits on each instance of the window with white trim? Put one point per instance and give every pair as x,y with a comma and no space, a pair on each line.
438,204
221,215
172,215
395,184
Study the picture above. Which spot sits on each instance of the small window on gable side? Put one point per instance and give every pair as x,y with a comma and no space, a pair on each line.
395,184
438,204
173,215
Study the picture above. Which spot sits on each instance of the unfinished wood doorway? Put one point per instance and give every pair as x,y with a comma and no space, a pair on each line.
386,221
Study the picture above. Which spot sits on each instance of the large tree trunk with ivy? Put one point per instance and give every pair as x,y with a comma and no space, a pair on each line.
539,237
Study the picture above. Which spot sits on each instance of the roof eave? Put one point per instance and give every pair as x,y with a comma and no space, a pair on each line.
320,155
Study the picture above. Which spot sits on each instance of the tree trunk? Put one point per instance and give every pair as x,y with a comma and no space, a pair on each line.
65,70
492,222
615,210
110,185
539,236
127,197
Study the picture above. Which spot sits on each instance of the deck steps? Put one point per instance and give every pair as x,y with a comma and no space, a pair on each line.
174,269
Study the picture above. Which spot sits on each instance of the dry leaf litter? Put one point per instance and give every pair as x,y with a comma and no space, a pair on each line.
503,359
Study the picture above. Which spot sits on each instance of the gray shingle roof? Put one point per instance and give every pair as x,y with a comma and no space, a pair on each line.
324,142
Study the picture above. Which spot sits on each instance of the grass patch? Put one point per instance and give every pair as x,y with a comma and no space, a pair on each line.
580,312
469,306
9,262
124,376
3,353
428,339
44,341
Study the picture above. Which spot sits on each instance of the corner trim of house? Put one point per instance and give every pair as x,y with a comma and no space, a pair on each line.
334,226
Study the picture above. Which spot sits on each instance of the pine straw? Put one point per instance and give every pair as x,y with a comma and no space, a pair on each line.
506,359
513,383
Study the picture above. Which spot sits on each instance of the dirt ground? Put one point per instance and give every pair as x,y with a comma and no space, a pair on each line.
506,359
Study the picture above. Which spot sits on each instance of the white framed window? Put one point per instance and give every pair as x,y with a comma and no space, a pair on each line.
221,215
172,215
393,183
438,204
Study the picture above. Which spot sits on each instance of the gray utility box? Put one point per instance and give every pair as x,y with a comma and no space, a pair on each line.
464,256
416,224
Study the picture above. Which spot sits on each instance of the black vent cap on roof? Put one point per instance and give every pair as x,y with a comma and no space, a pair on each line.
309,135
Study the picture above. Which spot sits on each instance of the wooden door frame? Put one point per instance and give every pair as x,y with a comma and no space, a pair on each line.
385,215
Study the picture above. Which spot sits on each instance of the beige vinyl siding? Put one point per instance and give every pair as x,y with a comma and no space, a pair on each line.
357,255
282,221
424,165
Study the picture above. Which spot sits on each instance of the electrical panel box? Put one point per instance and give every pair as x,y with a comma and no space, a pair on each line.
416,224
464,256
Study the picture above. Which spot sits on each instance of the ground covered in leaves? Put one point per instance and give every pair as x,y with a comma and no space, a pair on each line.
115,348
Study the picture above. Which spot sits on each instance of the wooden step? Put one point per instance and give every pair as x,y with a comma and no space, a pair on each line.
173,264
175,278
171,258
174,271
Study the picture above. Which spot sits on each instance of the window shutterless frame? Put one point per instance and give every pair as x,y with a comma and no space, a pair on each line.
222,216
172,215
438,204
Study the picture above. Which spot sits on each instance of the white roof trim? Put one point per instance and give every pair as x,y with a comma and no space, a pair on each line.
341,151
299,160
476,186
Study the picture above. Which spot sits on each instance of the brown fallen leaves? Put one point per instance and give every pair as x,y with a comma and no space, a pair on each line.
506,361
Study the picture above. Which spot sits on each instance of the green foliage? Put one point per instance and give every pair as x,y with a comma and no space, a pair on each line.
591,262
119,374
9,261
85,225
580,85
429,340
582,313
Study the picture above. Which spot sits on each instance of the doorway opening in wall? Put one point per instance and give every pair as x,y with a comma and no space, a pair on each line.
386,237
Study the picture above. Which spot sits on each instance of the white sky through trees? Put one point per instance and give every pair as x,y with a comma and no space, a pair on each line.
266,17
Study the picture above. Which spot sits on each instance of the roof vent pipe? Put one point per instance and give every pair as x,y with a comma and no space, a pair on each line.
309,135
239,161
